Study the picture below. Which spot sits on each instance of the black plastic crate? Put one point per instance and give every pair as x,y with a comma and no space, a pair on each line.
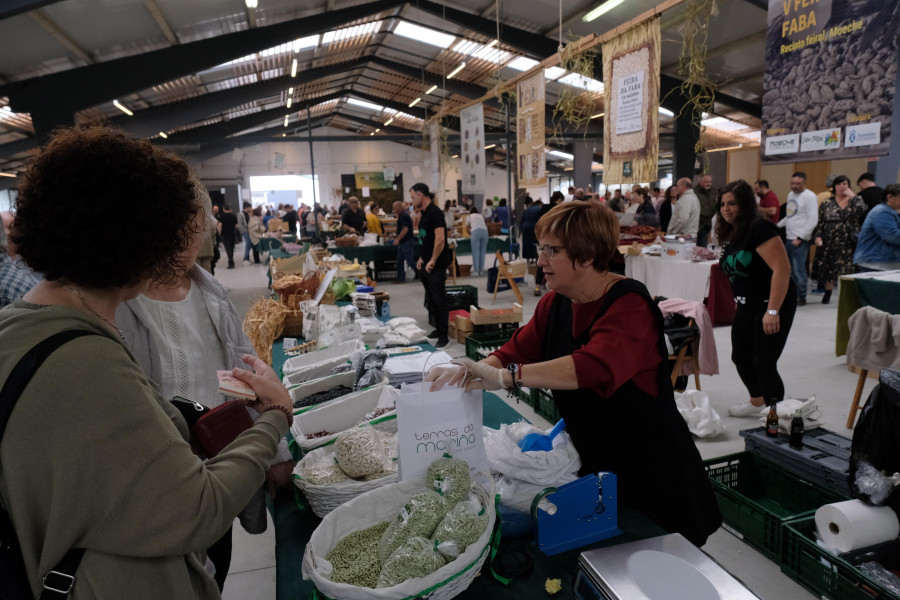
544,405
757,497
826,575
824,458
508,328
461,297
385,270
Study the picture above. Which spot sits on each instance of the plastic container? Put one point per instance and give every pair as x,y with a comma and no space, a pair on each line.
821,572
461,296
544,405
480,345
824,458
757,497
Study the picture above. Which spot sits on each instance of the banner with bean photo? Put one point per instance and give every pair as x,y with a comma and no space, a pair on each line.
472,152
831,68
631,101
530,131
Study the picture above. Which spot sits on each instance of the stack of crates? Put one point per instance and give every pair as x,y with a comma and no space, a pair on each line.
824,458
757,498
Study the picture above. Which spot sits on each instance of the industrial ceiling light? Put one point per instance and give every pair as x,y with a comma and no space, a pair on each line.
118,105
294,68
598,115
389,121
414,102
489,147
377,130
601,9
252,3
289,102
7,175
286,117
431,89
291,91
163,135
456,70
492,44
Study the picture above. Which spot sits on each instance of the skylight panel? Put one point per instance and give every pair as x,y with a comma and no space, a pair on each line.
522,63
425,35
481,51
364,104
303,43
554,73
339,35
723,124
580,81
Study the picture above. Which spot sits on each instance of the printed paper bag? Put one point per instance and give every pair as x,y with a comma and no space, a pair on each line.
430,424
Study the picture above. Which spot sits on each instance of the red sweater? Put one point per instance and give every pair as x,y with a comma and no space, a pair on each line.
622,344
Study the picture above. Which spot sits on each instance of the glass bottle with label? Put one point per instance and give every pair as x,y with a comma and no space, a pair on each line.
772,420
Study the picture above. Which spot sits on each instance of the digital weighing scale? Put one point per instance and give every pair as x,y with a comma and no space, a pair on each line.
662,568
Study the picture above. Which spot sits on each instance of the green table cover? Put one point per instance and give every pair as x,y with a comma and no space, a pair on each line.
857,292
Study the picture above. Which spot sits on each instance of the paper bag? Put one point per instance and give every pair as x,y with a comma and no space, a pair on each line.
430,424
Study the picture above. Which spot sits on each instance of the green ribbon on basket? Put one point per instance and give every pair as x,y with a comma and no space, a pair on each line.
495,543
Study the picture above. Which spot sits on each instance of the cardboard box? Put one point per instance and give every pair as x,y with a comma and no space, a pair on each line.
517,268
486,316
464,324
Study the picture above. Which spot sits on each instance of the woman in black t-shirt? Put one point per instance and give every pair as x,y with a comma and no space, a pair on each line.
754,259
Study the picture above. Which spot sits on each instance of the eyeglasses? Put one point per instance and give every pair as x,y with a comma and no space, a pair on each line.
548,250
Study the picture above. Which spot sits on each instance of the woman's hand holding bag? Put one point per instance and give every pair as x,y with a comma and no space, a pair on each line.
465,372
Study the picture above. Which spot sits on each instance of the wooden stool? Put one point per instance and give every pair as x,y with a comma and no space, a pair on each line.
679,359
860,384
503,272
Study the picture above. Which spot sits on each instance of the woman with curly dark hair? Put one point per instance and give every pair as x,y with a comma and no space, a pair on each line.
93,457
840,219
756,263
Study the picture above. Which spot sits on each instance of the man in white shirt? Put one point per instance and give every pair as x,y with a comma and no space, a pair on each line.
571,195
801,217
685,210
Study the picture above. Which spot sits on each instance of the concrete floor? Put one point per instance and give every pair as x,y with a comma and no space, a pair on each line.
808,367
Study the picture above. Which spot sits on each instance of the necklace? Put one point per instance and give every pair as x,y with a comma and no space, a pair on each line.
94,312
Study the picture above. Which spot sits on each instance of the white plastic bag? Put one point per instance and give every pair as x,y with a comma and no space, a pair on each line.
540,468
702,419
430,424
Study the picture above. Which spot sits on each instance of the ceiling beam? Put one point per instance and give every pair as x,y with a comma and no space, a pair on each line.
724,49
161,21
47,24
251,17
97,83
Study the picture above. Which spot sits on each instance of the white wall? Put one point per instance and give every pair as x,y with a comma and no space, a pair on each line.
335,158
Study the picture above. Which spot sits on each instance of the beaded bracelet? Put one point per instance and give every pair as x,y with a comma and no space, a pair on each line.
287,414
516,388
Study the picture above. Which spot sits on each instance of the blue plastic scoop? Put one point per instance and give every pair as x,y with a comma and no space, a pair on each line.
538,442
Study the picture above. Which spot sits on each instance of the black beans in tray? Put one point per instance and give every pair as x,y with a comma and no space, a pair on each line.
320,397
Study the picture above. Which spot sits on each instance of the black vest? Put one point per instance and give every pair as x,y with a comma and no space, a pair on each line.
641,438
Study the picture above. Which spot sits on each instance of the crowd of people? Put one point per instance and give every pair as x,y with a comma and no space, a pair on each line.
156,327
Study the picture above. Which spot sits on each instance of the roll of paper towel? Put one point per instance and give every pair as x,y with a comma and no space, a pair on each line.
850,525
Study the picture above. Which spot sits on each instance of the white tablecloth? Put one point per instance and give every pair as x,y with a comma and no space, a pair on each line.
670,278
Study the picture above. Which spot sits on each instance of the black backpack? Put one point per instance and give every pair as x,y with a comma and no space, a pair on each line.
13,579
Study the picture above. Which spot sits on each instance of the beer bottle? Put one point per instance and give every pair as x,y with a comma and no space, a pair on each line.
772,421
797,429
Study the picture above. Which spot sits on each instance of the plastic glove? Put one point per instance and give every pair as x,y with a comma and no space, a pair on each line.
465,372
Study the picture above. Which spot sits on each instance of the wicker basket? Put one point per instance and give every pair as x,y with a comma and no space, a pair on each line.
464,270
293,323
378,506
325,498
346,242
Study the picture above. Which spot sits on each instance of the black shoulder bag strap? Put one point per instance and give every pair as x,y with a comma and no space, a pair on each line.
58,582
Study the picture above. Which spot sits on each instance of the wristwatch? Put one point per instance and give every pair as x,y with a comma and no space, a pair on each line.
772,312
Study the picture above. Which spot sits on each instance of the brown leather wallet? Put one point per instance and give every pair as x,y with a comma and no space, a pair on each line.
219,427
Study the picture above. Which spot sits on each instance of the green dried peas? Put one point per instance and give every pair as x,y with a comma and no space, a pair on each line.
418,517
355,557
462,526
416,558
449,477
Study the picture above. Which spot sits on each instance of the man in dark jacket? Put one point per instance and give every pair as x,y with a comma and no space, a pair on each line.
227,228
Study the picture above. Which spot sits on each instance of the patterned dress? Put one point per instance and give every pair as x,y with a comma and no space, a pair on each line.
838,228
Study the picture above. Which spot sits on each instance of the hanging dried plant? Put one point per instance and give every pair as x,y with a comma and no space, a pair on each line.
574,106
697,87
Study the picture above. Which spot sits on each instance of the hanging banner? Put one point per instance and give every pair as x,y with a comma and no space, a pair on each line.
434,136
631,102
828,91
472,151
530,130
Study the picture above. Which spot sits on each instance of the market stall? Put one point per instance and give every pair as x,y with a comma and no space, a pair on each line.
880,290
685,279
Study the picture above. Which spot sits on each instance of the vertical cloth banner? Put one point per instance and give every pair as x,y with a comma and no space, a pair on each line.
530,129
828,91
631,99
472,150
434,137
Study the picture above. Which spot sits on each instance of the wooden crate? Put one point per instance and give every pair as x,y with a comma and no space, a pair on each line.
486,316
